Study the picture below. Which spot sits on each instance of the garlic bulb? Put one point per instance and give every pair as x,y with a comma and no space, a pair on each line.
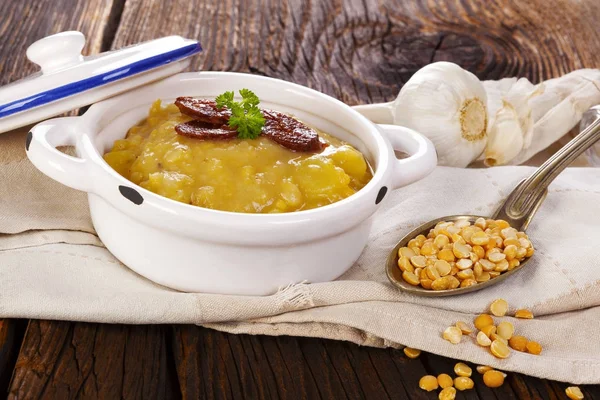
448,105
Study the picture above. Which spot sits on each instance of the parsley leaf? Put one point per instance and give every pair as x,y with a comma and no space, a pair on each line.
224,99
246,117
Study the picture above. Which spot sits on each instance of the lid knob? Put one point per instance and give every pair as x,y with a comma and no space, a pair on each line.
57,51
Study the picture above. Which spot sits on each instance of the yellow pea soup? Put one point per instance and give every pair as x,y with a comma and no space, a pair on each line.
241,175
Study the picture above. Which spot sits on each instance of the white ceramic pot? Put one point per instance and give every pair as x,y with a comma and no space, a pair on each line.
202,250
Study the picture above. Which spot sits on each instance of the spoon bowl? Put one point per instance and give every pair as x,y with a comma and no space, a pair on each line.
518,210
394,273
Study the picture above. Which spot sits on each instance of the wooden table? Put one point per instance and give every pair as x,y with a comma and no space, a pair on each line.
358,51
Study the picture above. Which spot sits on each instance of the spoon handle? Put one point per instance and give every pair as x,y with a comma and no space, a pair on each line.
523,202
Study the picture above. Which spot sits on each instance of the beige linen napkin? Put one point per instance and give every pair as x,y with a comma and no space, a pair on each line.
52,266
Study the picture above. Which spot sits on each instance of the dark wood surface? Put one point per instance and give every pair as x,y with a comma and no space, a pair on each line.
358,51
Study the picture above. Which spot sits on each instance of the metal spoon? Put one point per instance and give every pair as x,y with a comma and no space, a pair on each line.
518,210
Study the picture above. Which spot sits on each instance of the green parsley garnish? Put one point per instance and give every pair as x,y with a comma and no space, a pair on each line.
246,117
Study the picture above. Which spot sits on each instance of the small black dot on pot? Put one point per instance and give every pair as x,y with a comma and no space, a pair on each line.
131,195
381,194
28,140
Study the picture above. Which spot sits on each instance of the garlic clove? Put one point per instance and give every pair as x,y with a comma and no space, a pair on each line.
448,105
506,137
512,125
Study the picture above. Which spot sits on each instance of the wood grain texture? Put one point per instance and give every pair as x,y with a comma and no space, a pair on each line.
65,360
359,51
24,22
363,51
11,336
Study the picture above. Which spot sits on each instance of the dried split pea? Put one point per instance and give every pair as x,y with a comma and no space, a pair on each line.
464,263
465,274
464,328
440,241
495,336
574,393
468,282
443,267
405,265
418,261
446,255
410,278
444,381
499,307
487,265
483,320
452,334
496,257
499,349
483,339
518,343
526,314
534,348
482,369
448,393
460,250
501,266
463,383
489,330
493,378
412,353
512,264
440,284
428,383
429,249
406,252
505,330
462,369
432,272
480,222
484,277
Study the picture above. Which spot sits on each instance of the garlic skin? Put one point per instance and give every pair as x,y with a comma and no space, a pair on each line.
559,109
448,105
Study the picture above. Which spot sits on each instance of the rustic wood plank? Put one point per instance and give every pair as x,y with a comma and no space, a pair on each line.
24,22
66,360
363,51
11,337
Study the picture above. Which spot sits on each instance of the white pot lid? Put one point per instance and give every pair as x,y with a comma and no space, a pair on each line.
68,80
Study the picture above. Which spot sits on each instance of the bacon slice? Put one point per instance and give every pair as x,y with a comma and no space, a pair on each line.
203,110
291,133
202,130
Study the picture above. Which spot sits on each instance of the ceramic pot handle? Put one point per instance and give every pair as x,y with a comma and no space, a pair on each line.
41,145
422,157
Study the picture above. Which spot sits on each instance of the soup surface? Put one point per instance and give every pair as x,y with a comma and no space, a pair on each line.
241,175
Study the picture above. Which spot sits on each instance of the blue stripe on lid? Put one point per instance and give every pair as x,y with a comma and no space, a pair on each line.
95,81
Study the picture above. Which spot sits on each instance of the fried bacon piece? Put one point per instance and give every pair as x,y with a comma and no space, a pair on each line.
197,129
211,123
203,110
291,133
